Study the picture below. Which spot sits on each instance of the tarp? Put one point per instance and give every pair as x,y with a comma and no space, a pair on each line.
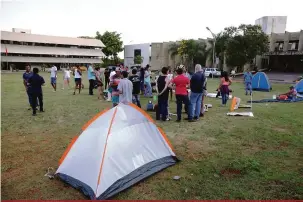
260,82
275,100
116,149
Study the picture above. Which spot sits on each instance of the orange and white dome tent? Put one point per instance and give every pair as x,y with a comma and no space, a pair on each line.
116,149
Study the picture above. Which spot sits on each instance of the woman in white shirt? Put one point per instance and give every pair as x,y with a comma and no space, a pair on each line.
66,78
78,80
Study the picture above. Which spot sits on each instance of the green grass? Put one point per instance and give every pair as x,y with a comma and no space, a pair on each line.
222,157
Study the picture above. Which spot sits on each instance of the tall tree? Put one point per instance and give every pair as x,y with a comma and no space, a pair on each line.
245,43
113,43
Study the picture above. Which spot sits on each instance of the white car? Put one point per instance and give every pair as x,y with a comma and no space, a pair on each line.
212,72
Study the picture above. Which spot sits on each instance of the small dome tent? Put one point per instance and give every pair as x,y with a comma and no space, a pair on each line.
116,149
299,87
260,82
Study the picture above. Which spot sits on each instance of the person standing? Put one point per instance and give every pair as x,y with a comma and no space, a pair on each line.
91,78
142,80
78,79
247,81
147,82
135,79
54,77
181,82
98,75
170,77
196,88
106,77
66,78
125,88
35,82
110,89
163,91
26,75
223,87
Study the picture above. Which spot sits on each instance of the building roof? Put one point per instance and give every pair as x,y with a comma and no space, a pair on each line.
49,60
44,50
36,38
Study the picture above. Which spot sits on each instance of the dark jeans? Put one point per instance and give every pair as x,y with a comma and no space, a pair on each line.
224,98
136,100
180,100
142,86
29,95
106,83
91,86
162,109
34,97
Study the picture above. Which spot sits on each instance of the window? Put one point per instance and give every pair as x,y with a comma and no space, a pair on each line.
137,52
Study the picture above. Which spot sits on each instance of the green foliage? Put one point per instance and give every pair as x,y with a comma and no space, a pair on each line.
241,44
191,51
138,59
113,43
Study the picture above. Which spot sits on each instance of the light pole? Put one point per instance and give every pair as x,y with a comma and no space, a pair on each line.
214,47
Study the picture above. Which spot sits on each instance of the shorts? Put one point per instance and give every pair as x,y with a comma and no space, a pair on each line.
78,81
53,80
66,78
99,83
115,99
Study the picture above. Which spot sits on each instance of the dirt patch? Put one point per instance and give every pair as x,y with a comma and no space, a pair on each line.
230,172
280,129
193,149
282,145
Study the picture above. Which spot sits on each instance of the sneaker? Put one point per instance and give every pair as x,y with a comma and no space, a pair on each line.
195,117
34,114
201,115
192,120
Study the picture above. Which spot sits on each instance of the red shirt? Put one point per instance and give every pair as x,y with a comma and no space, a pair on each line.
181,82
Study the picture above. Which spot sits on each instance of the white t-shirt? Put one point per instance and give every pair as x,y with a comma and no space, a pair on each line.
67,74
77,75
126,86
170,77
112,73
53,71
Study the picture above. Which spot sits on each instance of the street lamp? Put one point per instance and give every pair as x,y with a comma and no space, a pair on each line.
214,46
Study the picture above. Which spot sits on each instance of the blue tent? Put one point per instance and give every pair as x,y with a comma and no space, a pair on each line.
299,87
260,82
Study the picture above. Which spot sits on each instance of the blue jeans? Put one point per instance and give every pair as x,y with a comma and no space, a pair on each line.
224,98
195,103
162,109
136,100
148,89
248,87
29,95
180,100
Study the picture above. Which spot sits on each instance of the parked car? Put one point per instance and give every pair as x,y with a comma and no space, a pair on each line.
212,72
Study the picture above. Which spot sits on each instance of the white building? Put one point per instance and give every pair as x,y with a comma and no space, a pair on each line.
21,47
272,24
131,51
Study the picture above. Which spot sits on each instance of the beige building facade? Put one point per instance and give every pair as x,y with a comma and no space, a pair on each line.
21,46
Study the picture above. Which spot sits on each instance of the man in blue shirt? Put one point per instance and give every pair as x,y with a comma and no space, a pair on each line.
35,90
247,81
196,87
26,75
92,79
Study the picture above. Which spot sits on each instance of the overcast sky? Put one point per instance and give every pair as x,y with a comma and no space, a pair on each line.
142,21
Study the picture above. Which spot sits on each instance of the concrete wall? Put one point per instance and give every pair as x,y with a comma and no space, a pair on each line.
269,24
129,54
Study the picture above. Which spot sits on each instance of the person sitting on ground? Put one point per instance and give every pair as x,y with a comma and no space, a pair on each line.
291,94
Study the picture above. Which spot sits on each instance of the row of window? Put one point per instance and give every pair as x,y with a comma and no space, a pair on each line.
45,44
56,56
292,46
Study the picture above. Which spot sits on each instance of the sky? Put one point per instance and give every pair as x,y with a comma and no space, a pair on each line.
143,21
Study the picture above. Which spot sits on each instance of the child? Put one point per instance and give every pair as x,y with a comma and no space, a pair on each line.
115,92
291,94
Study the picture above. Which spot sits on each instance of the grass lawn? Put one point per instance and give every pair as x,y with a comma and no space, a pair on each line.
222,157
